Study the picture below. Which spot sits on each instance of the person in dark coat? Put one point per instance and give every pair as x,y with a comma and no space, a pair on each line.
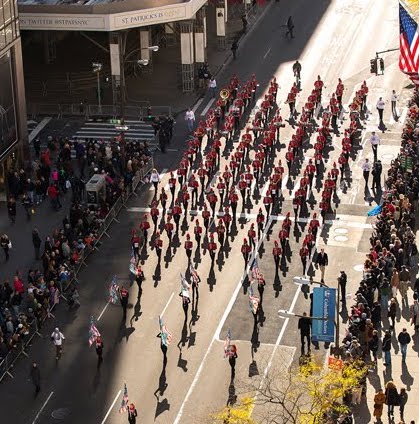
35,376
36,241
304,325
99,351
392,398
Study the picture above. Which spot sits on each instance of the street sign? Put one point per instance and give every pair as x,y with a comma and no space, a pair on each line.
324,309
115,121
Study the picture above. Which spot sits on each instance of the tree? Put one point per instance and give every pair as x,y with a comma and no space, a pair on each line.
237,414
306,393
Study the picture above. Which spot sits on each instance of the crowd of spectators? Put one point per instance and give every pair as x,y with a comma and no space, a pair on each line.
63,166
390,287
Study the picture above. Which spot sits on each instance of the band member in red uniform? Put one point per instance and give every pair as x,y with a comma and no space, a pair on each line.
233,199
135,244
176,212
221,187
212,247
227,176
193,185
163,199
339,92
158,245
169,227
202,173
245,249
172,186
314,225
227,220
304,255
267,202
283,238
144,227
220,232
154,212
206,214
251,233
198,233
276,253
212,200
188,246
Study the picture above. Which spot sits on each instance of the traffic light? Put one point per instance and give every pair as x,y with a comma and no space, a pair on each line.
373,66
381,60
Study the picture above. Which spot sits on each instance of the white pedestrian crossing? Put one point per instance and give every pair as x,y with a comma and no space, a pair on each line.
137,130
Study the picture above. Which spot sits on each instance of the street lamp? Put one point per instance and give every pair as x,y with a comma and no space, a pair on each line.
154,48
97,67
142,62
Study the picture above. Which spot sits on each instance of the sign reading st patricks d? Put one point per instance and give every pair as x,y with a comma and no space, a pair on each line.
324,308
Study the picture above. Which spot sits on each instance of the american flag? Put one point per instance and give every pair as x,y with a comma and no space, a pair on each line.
113,291
184,284
93,332
227,343
165,335
194,274
124,401
253,301
256,274
409,44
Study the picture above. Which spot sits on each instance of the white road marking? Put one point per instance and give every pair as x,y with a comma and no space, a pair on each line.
284,182
42,408
197,104
110,409
266,54
167,304
250,216
34,133
206,109
103,311
265,189
220,326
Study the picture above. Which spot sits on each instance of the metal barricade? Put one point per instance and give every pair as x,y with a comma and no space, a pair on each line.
5,367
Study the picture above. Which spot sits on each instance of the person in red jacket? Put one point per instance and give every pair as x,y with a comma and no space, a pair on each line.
198,233
158,245
251,233
188,246
260,221
304,253
144,227
233,199
206,214
212,247
227,220
135,244
176,212
245,249
154,212
220,232
172,186
169,227
276,253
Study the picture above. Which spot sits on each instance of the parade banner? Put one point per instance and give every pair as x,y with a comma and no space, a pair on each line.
324,308
93,332
124,401
227,344
165,334
113,291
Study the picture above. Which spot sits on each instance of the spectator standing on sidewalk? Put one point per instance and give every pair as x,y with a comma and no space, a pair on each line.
392,312
5,245
11,209
379,400
386,348
392,398
377,170
35,376
36,241
403,397
304,325
404,339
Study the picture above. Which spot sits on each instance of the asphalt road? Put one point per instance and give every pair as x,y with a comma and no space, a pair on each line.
334,40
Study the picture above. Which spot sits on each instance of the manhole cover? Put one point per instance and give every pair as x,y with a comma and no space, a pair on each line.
340,238
359,268
60,414
387,156
341,230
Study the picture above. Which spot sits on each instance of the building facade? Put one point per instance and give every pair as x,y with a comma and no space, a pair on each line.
14,148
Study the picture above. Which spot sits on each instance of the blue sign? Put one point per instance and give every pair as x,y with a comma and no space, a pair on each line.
324,307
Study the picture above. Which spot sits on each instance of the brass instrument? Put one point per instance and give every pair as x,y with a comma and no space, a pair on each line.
225,94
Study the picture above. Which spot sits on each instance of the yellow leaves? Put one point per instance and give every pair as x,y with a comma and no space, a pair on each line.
237,414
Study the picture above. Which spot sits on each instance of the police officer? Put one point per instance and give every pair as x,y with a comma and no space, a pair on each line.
377,169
